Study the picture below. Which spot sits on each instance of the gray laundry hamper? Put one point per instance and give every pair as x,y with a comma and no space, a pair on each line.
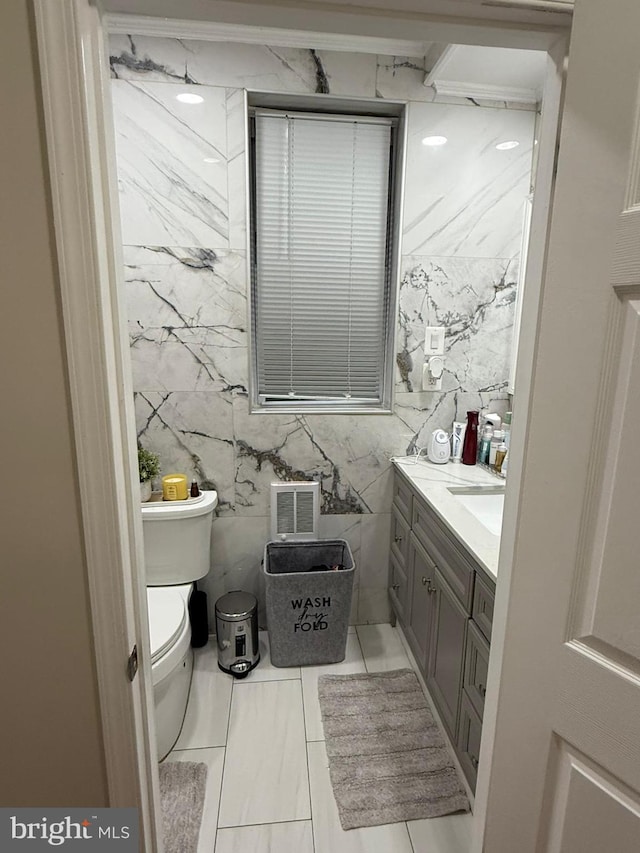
308,607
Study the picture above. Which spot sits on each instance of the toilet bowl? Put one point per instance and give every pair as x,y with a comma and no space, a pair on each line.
177,546
171,660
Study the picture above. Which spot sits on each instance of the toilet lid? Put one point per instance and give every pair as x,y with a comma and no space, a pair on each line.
167,617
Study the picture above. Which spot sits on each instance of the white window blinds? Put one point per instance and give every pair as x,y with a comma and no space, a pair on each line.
320,281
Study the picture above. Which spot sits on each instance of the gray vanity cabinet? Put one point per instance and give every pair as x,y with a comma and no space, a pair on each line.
444,602
399,590
446,652
418,625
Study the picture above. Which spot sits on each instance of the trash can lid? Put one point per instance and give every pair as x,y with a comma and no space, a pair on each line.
236,605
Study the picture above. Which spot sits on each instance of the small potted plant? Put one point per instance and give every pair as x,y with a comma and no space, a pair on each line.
148,467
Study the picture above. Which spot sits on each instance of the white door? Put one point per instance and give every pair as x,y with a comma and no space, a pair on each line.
563,773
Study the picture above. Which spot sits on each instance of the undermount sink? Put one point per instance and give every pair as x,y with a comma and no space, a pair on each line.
485,503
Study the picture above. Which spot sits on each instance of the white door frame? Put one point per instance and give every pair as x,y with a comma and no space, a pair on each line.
86,222
80,141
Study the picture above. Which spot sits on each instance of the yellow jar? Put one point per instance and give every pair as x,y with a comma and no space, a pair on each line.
174,487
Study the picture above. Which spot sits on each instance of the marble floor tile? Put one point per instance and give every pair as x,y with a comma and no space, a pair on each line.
205,723
294,837
329,837
214,759
449,834
266,777
266,671
353,662
382,648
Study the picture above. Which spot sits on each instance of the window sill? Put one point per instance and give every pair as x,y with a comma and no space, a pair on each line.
319,410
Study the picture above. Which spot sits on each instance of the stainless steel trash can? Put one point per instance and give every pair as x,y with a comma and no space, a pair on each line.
237,633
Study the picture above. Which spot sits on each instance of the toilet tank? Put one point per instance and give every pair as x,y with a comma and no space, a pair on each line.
177,539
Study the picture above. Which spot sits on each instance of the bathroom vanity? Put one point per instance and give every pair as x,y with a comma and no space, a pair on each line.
442,571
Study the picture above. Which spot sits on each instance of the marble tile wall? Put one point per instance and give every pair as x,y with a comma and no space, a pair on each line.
182,182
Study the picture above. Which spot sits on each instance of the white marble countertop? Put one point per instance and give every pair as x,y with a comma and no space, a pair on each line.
432,481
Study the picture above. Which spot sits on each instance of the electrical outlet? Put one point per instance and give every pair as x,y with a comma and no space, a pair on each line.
429,381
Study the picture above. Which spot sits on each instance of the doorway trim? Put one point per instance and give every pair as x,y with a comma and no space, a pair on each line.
80,142
81,174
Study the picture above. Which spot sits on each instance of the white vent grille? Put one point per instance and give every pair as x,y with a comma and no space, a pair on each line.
286,503
295,511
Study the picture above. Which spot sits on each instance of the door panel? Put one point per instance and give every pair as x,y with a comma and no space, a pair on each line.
422,573
610,612
567,669
469,739
399,589
399,538
588,804
476,667
446,652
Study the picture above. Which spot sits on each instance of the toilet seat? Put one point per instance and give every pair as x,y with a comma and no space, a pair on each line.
169,629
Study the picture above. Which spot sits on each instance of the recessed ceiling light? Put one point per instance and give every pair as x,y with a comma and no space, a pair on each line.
434,140
211,160
189,98
506,146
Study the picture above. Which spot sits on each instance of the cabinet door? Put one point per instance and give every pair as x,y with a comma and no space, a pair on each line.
476,667
402,497
399,538
421,576
469,737
446,653
398,590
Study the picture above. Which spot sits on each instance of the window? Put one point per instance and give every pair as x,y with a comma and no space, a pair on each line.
322,260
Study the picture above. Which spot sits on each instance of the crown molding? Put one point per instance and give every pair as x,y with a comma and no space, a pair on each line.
481,91
144,25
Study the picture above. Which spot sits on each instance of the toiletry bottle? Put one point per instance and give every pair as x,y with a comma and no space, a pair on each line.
501,452
457,440
195,490
506,423
485,444
496,439
470,447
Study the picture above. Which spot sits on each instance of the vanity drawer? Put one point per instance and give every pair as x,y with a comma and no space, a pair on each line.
469,736
453,563
402,498
476,666
482,611
398,589
399,537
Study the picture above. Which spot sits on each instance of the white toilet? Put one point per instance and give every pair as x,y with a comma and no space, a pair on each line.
177,548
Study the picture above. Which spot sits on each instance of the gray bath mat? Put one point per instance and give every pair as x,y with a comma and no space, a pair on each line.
387,759
182,787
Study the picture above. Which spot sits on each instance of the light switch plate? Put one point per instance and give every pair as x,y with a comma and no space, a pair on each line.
433,341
